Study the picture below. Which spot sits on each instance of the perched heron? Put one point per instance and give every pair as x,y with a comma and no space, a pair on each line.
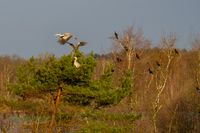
76,64
64,38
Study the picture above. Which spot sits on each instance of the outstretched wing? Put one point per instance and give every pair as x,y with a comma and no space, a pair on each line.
61,41
63,38
67,36
60,35
82,43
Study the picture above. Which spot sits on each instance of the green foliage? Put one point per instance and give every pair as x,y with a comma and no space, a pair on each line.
110,94
99,127
101,91
63,117
104,116
100,121
40,76
45,75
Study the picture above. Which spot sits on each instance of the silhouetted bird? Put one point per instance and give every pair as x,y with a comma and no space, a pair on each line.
55,99
125,47
116,35
137,56
198,89
63,38
176,51
150,71
119,59
158,64
76,47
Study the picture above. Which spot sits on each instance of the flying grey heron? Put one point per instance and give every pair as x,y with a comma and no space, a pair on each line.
76,46
64,38
76,64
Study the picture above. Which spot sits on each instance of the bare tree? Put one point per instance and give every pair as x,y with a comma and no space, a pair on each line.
129,43
162,76
196,43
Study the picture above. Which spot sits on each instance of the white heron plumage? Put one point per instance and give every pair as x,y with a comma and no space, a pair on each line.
76,64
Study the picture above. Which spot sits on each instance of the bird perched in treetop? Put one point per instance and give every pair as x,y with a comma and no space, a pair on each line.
150,71
198,89
119,59
137,56
76,64
64,38
122,45
158,64
176,51
116,35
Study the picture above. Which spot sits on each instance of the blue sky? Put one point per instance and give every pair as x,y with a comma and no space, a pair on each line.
27,27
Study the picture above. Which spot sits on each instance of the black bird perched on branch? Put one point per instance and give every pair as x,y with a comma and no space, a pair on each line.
126,48
137,56
122,45
119,59
116,35
198,89
158,64
176,51
150,71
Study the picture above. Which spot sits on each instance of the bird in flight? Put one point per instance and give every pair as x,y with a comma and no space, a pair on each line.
64,37
76,64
